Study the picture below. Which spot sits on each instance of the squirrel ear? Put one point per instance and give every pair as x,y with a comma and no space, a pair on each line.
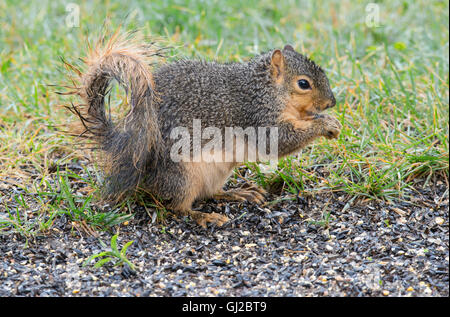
277,65
288,47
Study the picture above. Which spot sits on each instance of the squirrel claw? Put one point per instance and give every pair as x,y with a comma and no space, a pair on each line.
248,192
330,125
204,218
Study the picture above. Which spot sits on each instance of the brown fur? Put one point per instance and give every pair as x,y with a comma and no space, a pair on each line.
205,179
277,67
125,59
298,111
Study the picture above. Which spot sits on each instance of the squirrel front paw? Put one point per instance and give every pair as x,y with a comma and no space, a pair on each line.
330,127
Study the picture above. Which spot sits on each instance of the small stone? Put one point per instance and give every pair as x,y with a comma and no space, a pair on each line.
410,289
399,211
219,263
385,293
439,220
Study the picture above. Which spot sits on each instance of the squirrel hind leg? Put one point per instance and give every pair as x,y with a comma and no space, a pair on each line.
203,218
184,208
248,192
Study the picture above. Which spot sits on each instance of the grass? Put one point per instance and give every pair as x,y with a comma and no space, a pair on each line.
113,255
391,83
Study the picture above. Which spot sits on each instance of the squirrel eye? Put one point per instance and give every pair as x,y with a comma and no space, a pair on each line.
303,84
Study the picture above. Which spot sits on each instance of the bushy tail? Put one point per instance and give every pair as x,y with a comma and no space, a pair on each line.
130,142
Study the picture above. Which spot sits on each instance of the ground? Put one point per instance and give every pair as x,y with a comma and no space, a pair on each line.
321,245
364,215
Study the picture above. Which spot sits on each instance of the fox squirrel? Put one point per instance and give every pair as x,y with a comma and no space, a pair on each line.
280,88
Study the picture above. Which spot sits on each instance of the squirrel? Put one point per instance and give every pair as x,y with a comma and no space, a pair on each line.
280,88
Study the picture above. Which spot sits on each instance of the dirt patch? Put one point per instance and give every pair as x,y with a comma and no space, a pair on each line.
326,245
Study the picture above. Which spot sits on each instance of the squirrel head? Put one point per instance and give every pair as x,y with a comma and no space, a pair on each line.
307,87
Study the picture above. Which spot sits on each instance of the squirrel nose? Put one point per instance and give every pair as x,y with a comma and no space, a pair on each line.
332,103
